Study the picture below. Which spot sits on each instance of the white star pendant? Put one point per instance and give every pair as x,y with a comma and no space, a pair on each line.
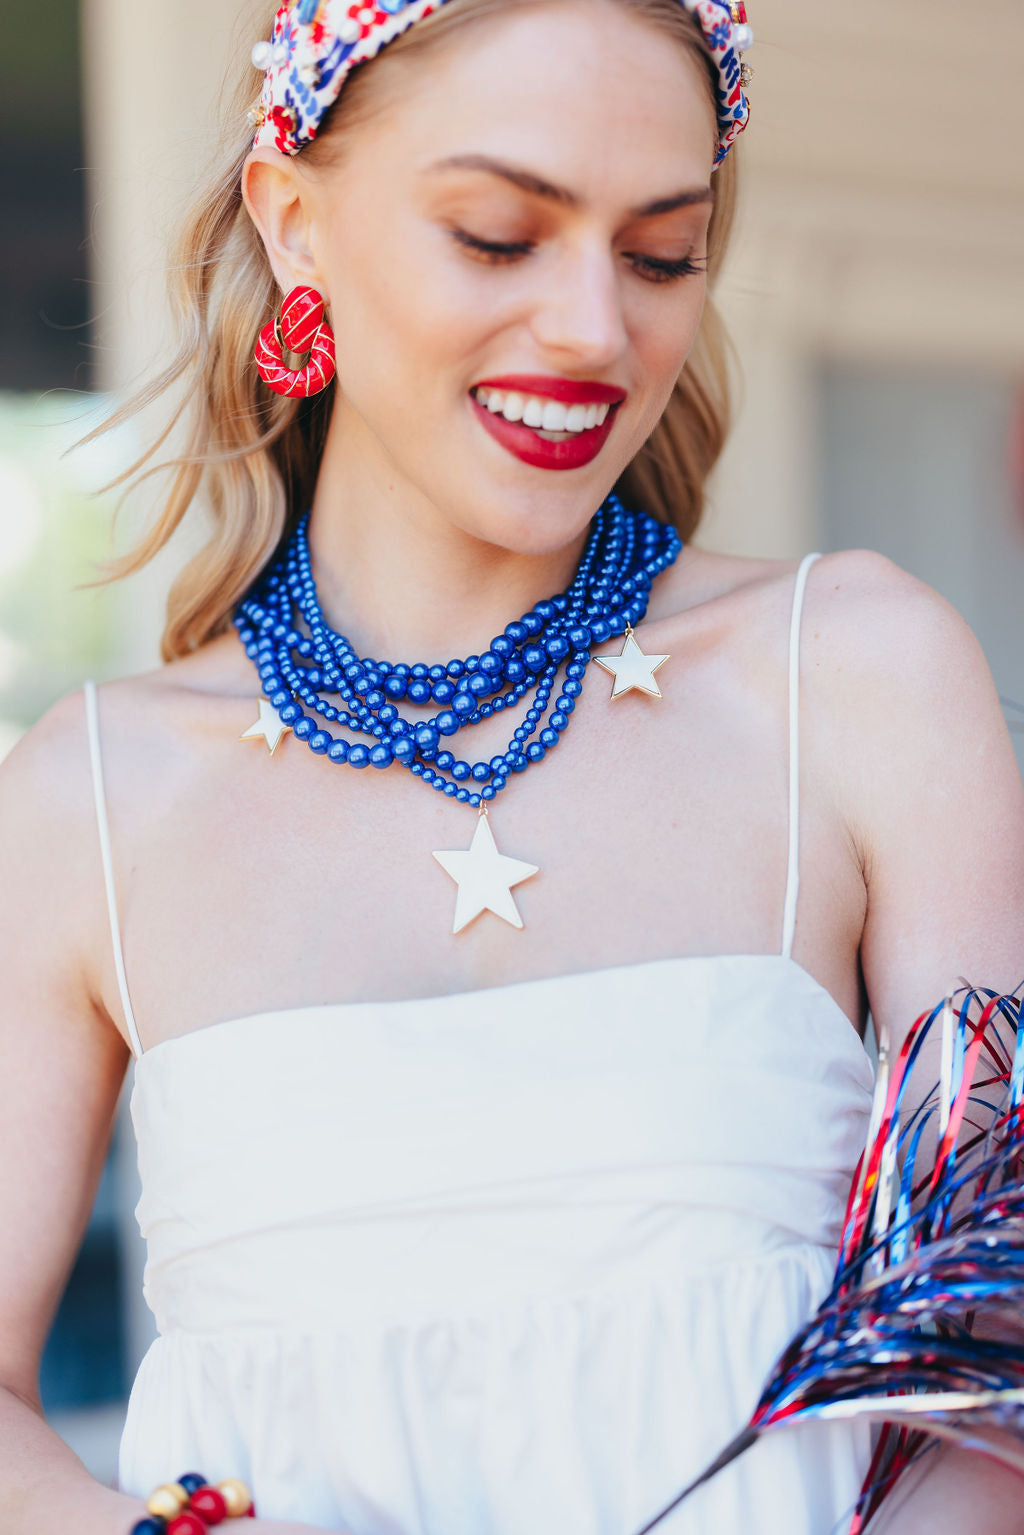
485,878
269,727
632,669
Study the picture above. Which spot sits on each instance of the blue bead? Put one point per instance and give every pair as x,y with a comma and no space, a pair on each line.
338,751
498,783
450,789
496,764
149,1527
460,770
426,737
514,670
576,669
474,800
545,610
535,752
290,713
436,674
565,705
420,691
559,720
191,1481
403,748
502,646
572,688
517,632
280,698
462,795
375,699
445,760
532,622
394,687
600,630
535,657
478,684
381,756
490,662
444,692
520,765
463,703
557,647
419,670
579,638
455,668
303,727
489,792
548,737
386,713
358,756
481,772
319,741
447,722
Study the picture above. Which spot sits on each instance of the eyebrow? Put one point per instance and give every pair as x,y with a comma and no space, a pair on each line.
527,181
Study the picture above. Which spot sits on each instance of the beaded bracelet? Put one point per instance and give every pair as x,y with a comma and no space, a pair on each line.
190,1505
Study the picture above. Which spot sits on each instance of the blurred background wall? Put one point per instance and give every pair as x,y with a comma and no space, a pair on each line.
874,294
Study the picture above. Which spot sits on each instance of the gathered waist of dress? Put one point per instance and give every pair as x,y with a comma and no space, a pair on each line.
434,1257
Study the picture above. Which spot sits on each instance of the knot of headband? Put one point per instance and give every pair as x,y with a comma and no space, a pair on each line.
315,44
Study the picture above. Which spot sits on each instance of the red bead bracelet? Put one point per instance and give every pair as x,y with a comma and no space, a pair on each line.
190,1506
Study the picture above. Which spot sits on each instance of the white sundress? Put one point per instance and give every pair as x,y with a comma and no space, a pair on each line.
515,1261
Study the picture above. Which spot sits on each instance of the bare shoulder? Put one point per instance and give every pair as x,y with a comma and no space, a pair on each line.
891,646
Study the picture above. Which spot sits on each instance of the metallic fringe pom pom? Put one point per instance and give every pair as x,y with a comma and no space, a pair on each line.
922,1328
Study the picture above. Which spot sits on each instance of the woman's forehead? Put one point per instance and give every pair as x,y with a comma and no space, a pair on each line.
589,106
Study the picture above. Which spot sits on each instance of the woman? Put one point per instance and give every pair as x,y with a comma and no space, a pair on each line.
483,1188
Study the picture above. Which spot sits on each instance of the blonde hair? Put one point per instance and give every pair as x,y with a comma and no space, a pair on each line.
259,453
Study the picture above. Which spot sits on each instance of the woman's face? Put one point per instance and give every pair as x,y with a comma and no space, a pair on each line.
523,227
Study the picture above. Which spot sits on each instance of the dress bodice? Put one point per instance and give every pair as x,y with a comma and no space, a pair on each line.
446,1152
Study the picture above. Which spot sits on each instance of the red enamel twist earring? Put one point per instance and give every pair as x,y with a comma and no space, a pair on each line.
301,327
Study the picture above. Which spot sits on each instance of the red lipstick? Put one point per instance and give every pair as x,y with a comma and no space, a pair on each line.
569,391
525,443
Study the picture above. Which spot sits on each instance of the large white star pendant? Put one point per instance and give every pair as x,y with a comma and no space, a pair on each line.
269,727
485,878
632,669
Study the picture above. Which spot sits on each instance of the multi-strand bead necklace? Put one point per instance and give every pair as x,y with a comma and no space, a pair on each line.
304,664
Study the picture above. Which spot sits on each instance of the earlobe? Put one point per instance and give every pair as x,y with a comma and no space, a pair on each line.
275,203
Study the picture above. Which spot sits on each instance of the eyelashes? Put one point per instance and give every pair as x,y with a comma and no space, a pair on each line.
652,268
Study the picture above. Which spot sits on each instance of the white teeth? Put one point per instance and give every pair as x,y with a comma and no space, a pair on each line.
541,413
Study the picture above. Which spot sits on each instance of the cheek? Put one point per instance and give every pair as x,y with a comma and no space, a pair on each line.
405,316
664,329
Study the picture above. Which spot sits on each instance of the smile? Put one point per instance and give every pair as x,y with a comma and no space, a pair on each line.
549,418
548,423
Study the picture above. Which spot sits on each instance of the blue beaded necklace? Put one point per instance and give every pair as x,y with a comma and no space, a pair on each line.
303,664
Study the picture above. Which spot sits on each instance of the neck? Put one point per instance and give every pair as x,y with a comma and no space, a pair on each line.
405,584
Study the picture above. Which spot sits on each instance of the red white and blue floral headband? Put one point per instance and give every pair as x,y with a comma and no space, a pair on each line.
316,43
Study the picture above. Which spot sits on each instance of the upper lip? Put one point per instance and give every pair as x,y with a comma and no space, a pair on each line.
569,391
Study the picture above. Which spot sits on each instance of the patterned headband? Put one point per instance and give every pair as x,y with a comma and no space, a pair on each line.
316,43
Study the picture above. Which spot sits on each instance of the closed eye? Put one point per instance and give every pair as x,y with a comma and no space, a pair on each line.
652,268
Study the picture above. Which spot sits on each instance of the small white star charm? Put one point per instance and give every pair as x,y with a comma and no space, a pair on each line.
632,669
485,878
269,727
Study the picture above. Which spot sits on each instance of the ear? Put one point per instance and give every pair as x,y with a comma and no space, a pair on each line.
279,202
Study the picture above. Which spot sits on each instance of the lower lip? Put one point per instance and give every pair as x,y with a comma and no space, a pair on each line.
525,444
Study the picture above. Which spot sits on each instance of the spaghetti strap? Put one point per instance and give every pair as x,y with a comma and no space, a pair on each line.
108,866
793,857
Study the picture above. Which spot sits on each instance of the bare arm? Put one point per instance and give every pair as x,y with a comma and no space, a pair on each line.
927,778
62,1064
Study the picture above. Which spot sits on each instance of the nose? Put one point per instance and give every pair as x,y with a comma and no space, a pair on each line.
579,314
